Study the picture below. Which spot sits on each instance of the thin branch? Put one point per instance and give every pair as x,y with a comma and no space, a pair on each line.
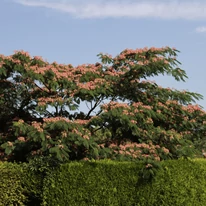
49,113
98,129
87,105
56,111
95,105
41,88
97,114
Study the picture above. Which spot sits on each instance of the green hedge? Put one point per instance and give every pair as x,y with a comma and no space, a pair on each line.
179,183
102,183
19,186
11,190
109,183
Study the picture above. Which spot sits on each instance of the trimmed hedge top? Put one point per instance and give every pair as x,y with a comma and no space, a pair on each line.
103,183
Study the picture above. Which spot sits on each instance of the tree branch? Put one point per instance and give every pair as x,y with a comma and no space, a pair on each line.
95,105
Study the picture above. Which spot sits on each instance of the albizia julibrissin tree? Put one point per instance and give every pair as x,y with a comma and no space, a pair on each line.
129,117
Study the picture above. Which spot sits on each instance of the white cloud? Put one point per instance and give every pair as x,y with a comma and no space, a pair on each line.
201,29
170,9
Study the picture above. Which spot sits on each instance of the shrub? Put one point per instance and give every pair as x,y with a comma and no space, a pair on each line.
19,186
11,190
92,183
179,182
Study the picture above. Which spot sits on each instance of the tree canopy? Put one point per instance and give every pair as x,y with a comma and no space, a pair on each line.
129,116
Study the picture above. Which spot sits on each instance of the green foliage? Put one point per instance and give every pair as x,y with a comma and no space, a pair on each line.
99,183
92,183
32,182
19,186
129,117
149,170
11,190
179,182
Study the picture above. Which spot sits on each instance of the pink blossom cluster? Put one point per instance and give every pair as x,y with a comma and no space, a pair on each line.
21,139
37,126
64,134
137,150
22,52
56,119
80,121
48,100
112,105
91,85
192,108
84,133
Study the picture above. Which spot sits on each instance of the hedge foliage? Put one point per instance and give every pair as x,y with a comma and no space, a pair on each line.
102,183
93,183
11,190
179,182
18,185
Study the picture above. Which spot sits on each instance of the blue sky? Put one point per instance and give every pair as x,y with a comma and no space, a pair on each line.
75,31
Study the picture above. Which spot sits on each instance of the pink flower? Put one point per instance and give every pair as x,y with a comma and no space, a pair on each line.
86,137
10,144
165,150
133,121
148,165
21,139
61,146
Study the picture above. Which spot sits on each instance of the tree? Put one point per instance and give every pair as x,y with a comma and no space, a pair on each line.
129,116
